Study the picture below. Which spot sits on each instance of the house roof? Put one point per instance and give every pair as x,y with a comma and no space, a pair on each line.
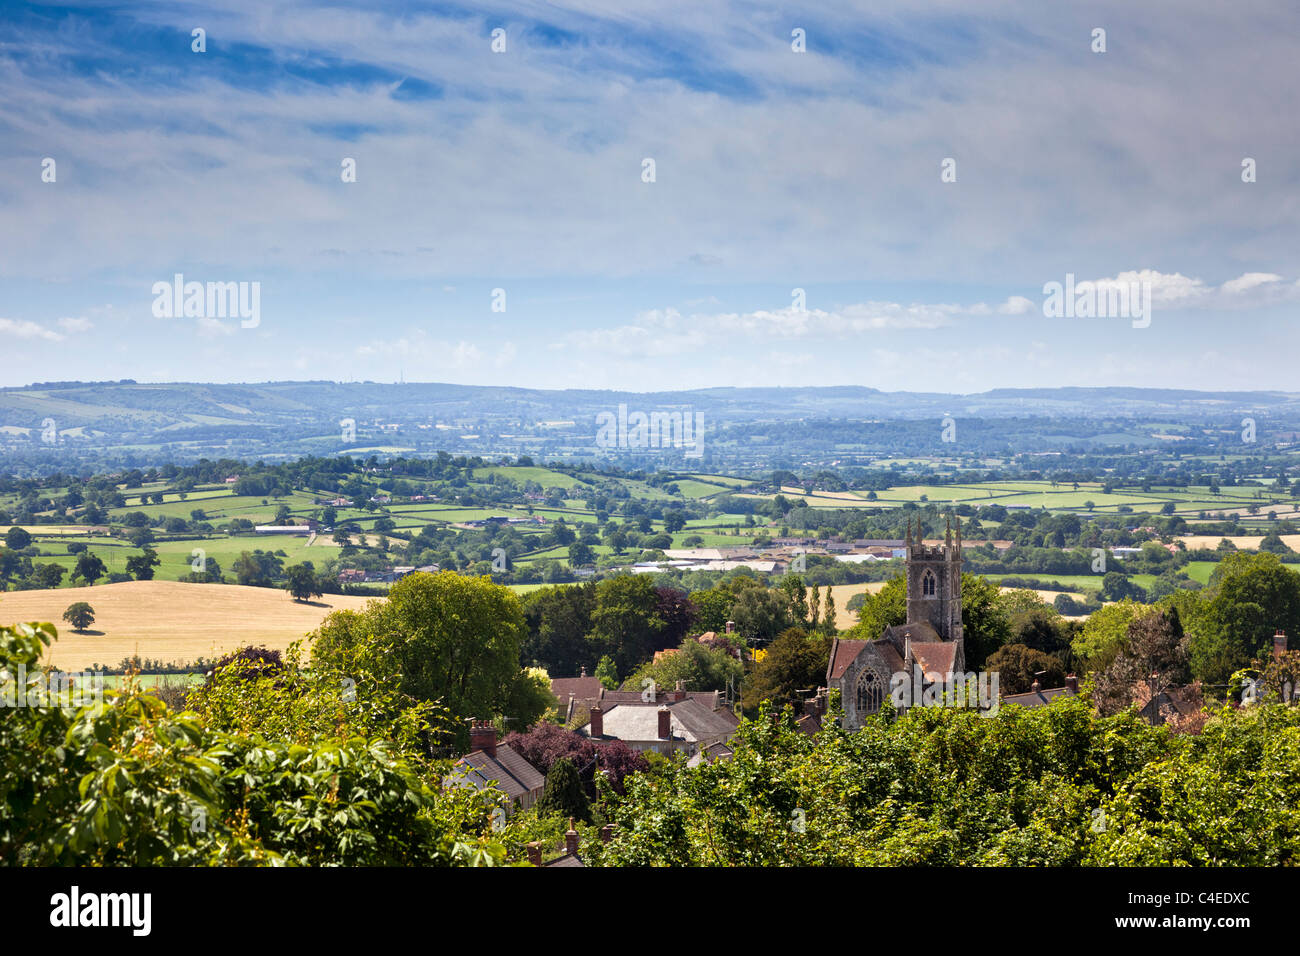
716,751
1038,698
583,688
514,775
638,720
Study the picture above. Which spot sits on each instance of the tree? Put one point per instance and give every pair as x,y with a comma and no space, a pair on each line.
581,554
17,538
131,784
1154,659
760,614
1105,634
301,582
564,794
626,622
698,668
1018,666
89,568
142,565
1249,598
607,673
559,620
439,637
80,615
794,663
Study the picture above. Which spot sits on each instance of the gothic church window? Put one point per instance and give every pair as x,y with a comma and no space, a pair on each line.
871,693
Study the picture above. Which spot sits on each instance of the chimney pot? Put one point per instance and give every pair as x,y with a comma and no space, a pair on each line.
1279,645
665,723
571,839
535,853
1035,687
483,736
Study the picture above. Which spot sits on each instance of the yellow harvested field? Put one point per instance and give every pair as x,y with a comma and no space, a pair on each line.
170,621
844,618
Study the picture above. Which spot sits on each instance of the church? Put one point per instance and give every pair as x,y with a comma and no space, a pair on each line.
929,644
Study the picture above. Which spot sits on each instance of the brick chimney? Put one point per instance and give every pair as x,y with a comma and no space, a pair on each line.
597,728
1072,683
483,736
1279,645
665,723
571,839
535,853
731,627
607,833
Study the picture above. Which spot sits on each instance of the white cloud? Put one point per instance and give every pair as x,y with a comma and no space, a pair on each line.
23,329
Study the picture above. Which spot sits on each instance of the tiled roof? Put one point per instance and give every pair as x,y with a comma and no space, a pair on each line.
935,657
846,653
583,688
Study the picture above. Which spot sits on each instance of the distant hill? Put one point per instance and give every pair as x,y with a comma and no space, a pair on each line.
129,423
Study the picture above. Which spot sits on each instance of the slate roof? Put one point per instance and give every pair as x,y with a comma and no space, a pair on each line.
514,775
691,721
1038,698
921,632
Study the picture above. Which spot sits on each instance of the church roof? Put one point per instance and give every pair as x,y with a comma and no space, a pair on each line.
921,631
935,658
844,653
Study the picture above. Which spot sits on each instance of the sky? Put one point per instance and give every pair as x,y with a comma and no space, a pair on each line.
921,171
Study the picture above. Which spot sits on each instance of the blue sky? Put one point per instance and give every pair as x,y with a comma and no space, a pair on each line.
775,170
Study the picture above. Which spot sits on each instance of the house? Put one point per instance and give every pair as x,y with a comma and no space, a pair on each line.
570,857
488,763
1037,696
661,722
583,689
1170,706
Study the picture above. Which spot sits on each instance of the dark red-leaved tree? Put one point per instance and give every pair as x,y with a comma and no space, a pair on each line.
546,743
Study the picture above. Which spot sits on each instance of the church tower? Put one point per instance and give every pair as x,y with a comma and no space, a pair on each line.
934,582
